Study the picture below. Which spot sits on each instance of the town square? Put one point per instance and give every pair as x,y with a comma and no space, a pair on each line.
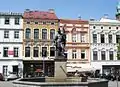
60,43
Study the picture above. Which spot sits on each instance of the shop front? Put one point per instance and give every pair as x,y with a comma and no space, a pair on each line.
38,68
111,69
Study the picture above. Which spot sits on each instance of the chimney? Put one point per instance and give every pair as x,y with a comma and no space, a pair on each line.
92,19
27,10
51,10
79,17
105,15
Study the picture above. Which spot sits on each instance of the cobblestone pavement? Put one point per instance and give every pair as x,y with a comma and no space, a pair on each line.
9,84
6,84
114,84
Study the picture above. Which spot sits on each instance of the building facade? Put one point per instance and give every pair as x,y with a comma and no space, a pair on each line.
77,46
104,34
38,49
11,28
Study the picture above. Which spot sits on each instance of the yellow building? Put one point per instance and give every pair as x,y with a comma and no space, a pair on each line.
38,49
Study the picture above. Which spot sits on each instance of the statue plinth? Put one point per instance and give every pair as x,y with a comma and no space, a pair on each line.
60,69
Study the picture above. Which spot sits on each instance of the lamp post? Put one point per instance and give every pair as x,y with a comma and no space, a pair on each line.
43,63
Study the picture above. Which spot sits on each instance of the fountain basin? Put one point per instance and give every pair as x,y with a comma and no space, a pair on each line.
69,82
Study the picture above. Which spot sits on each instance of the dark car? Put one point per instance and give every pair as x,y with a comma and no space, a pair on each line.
1,77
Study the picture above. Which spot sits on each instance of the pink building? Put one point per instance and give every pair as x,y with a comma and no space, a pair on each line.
78,46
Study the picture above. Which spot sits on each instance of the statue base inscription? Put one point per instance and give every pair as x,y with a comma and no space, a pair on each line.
60,69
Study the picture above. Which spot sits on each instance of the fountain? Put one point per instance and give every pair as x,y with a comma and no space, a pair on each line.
60,77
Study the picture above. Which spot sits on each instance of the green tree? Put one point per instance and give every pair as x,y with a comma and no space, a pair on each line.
118,51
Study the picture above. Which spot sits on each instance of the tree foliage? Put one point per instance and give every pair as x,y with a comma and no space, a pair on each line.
118,51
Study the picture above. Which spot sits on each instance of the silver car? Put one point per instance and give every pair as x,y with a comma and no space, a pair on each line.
12,76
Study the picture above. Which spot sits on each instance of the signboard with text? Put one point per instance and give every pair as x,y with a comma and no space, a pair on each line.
10,52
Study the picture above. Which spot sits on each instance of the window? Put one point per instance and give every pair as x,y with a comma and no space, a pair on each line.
82,37
74,54
15,51
5,70
52,23
116,27
95,55
44,33
111,55
66,54
101,27
17,21
36,22
44,22
82,54
27,33
36,33
35,52
117,38
94,27
5,51
102,55
28,22
94,38
16,34
102,38
109,27
52,51
44,51
27,51
118,55
110,38
15,69
7,20
52,33
73,37
6,34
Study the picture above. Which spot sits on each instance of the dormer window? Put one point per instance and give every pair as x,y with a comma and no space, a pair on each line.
52,23
28,22
7,20
36,22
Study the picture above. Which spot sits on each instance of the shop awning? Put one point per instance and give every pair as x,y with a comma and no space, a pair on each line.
80,69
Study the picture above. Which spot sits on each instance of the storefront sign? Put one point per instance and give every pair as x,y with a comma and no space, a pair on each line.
10,52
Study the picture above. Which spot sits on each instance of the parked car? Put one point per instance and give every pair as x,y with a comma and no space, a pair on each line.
12,76
1,77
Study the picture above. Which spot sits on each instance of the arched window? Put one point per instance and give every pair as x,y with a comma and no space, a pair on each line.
36,33
27,33
52,33
44,33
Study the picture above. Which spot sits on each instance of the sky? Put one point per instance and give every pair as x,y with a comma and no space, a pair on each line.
71,9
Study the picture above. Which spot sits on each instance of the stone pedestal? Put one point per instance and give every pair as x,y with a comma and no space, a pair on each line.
60,69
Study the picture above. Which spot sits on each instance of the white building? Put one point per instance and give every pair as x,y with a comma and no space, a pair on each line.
104,36
11,30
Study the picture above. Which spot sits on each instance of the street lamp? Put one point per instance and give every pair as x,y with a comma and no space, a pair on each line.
43,63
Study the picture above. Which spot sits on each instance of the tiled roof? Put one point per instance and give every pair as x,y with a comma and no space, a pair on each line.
40,15
70,21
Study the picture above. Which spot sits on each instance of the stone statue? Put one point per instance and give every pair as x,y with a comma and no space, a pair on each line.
60,42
